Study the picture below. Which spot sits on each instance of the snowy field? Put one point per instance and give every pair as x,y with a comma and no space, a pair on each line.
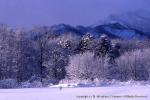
91,93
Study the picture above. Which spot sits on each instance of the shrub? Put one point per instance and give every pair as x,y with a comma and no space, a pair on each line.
85,66
135,65
8,83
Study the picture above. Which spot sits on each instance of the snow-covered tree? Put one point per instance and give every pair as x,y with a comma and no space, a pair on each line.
85,44
7,53
56,59
134,65
114,52
25,55
85,66
41,39
69,42
103,46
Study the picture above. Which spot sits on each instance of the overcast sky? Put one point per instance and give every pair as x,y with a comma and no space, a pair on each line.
28,13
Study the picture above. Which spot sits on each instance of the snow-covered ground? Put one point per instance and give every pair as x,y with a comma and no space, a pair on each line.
137,92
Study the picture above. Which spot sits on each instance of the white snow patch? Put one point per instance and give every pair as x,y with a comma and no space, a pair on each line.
76,93
65,85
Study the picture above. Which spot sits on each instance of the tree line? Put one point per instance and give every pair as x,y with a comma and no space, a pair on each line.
44,55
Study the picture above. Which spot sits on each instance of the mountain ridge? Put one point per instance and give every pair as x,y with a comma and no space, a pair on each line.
113,30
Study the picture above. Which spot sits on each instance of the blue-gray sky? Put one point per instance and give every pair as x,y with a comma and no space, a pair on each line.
28,13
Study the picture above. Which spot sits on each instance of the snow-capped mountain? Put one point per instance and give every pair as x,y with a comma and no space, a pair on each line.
113,30
117,30
139,20
126,26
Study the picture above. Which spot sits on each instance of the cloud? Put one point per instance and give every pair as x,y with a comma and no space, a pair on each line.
47,12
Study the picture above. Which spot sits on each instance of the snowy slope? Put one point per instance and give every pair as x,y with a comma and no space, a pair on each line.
76,93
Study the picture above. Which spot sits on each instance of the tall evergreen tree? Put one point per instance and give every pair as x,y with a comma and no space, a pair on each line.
103,46
85,43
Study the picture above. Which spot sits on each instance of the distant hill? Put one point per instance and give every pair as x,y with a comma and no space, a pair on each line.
113,30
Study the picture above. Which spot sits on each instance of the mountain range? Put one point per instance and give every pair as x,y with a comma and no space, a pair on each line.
113,30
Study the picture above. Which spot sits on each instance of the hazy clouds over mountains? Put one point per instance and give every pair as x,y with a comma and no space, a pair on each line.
28,13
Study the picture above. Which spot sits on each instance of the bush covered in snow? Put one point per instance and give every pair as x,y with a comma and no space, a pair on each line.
85,66
135,65
99,83
8,83
34,84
